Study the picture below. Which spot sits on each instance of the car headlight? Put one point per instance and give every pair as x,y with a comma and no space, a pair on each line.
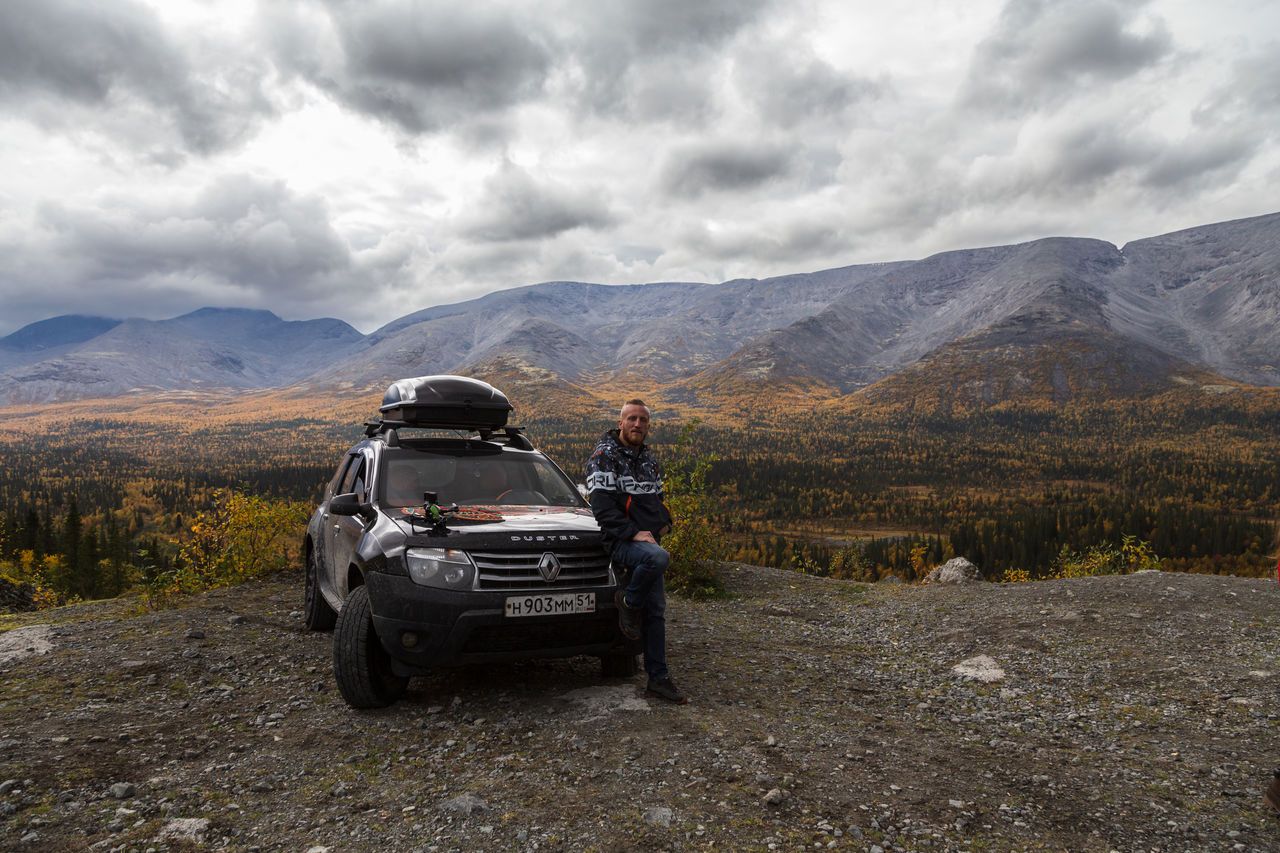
446,568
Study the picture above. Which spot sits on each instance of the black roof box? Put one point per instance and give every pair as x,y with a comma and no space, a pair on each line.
448,402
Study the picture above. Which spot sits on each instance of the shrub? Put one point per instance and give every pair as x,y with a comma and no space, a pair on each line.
696,542
240,537
1133,555
36,573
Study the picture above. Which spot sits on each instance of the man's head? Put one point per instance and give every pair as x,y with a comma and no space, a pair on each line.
633,423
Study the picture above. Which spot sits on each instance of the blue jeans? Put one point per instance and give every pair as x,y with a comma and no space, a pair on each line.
647,563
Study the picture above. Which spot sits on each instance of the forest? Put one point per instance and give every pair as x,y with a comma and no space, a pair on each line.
93,506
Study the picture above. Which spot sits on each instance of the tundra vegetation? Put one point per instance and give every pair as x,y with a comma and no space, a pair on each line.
95,507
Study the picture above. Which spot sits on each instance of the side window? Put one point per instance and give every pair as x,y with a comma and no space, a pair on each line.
361,477
355,471
335,484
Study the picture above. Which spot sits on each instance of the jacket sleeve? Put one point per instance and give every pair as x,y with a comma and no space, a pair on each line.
607,499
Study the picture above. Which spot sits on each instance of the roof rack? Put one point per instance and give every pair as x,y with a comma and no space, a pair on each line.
513,435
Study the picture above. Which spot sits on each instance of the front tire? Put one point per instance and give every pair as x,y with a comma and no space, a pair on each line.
317,615
361,666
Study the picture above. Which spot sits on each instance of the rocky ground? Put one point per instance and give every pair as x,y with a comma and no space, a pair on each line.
1118,713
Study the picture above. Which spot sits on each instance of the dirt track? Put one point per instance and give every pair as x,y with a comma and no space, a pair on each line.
1134,713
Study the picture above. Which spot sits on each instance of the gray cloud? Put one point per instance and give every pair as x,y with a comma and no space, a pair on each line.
516,207
649,61
243,232
112,67
241,241
691,171
1249,96
1091,153
789,85
420,66
773,239
1042,52
1199,159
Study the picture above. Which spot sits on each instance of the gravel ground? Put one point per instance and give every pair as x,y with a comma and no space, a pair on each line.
1118,713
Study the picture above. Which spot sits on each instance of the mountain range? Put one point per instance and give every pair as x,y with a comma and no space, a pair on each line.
1052,318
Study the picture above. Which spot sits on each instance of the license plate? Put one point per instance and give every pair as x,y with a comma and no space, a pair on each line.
551,605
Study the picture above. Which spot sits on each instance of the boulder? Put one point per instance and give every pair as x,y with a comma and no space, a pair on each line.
958,570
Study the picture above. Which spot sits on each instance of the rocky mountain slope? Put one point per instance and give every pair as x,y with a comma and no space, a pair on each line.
209,348
1116,713
1204,302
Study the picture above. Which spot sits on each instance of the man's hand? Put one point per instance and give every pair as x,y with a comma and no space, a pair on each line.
644,536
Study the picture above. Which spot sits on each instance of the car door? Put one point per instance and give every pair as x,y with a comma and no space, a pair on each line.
345,530
324,532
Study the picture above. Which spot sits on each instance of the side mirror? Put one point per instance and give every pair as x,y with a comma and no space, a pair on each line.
349,504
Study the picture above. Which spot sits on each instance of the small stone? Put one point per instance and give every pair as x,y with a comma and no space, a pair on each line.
465,804
658,816
774,797
31,838
981,668
184,829
237,619
195,634
123,790
7,785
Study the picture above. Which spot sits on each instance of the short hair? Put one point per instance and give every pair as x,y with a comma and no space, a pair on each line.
635,401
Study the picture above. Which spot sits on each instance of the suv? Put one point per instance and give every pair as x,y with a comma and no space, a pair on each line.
434,549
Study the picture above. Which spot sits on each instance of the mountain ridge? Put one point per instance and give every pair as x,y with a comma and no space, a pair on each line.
1203,301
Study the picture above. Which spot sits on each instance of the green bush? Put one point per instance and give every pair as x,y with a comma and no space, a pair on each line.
696,542
1133,555
240,537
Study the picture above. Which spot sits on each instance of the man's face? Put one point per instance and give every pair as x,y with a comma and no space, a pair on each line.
633,425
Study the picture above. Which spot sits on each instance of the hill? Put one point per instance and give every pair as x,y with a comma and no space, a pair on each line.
1130,713
1203,304
212,348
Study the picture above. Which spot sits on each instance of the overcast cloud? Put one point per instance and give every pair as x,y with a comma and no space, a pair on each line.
366,160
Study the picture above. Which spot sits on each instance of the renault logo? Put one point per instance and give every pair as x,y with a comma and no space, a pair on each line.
549,567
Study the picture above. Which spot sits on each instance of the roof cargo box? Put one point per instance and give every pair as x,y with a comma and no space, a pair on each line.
449,402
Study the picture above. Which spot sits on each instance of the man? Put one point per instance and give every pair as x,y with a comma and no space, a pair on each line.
624,482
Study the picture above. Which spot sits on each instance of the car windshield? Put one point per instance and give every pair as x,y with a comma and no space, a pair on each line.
469,478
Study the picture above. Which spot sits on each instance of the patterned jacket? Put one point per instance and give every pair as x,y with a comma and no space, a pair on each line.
624,486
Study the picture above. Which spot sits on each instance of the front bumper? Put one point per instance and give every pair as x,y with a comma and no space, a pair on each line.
450,628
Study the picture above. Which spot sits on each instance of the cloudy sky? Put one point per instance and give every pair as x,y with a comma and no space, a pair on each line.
366,159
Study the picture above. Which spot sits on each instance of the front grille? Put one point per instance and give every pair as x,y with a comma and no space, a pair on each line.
541,636
580,565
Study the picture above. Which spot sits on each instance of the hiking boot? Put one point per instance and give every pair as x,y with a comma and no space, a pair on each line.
665,688
628,617
1272,796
